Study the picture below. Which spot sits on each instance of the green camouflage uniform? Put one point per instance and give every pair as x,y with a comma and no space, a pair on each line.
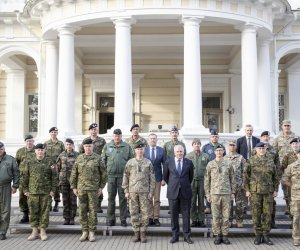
139,181
261,180
88,175
39,180
238,162
169,148
9,172
133,142
292,175
200,162
219,184
53,150
98,143
115,158
65,163
22,155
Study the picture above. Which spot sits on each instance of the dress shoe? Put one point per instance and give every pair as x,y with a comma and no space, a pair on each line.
267,240
66,222
72,222
225,240
296,242
201,224
111,223
173,240
156,222
188,240
123,223
257,240
218,240
2,237
150,222
194,224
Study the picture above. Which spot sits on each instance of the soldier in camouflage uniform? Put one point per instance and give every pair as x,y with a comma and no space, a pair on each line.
169,146
261,185
138,184
23,154
200,161
40,184
291,177
135,139
65,163
238,163
220,188
53,149
98,143
115,155
88,178
9,172
282,145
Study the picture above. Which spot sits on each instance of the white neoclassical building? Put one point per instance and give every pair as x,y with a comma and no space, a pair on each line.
196,64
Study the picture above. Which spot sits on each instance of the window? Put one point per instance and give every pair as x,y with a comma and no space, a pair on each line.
32,113
281,111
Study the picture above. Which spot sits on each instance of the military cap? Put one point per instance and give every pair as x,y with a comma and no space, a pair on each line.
196,140
40,146
217,146
134,126
213,132
27,137
139,145
260,145
232,142
93,125
53,129
117,131
286,122
87,141
294,140
174,128
265,133
1,144
69,140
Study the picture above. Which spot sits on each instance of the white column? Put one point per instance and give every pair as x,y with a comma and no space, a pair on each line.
51,84
192,86
66,82
249,77
123,75
15,103
264,86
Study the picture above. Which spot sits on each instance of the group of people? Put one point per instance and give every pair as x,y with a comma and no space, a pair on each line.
211,177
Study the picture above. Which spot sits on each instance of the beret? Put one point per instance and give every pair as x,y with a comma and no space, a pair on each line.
27,137
196,140
294,140
93,125
117,131
265,133
214,132
174,128
134,126
260,145
53,129
40,146
1,144
217,146
69,140
139,145
87,141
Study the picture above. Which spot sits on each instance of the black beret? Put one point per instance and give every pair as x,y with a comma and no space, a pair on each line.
217,146
53,129
1,144
294,140
27,137
139,145
117,131
69,140
265,133
40,146
174,128
87,141
134,126
213,132
260,145
93,125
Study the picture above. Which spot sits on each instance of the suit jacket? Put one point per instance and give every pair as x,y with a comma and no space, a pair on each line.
242,146
158,162
176,182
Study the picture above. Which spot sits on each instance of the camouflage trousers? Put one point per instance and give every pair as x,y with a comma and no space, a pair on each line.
139,211
197,205
240,200
261,207
39,205
220,210
69,202
286,194
23,200
295,211
88,201
5,201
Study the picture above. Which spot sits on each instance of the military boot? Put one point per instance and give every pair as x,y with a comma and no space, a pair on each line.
296,242
92,236
218,239
25,218
143,237
136,237
72,221
43,234
257,240
267,240
84,236
34,235
55,208
225,240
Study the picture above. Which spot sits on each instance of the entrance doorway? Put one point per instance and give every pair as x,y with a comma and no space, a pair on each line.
105,108
106,121
213,111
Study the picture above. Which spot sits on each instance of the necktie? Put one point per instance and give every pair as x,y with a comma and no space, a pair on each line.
179,167
249,147
152,155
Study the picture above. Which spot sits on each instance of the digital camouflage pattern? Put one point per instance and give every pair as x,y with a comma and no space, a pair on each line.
169,148
281,144
133,142
98,143
39,205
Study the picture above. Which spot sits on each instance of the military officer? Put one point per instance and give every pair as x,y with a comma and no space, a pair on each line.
200,161
291,178
88,178
115,155
138,184
23,154
40,183
238,163
9,172
261,185
169,145
98,143
65,163
53,148
220,188
135,139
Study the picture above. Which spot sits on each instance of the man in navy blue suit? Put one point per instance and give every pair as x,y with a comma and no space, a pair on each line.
156,155
178,174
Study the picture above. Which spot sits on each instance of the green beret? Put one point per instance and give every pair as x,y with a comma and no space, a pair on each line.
28,137
87,141
40,146
217,146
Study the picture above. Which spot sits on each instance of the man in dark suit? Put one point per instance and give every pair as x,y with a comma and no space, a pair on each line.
156,155
245,144
178,174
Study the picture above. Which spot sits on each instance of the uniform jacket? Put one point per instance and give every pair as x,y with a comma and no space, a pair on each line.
98,143
209,149
242,145
22,155
133,142
158,162
282,144
288,159
169,148
9,171
238,163
176,181
200,162
53,149
65,163
292,175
